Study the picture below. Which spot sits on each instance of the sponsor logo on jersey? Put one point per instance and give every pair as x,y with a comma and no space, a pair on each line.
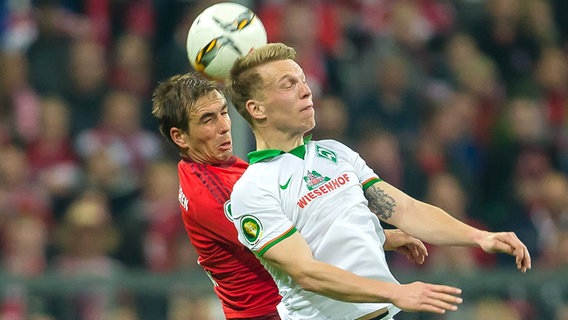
314,179
251,228
285,186
182,199
321,188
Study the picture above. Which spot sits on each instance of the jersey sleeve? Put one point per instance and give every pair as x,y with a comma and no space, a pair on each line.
258,216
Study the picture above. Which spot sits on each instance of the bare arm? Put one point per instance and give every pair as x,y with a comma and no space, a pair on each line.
294,257
412,248
434,225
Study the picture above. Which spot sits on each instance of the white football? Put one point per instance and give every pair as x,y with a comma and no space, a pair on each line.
219,35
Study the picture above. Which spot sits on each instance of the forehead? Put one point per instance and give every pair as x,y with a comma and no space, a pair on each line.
212,100
274,71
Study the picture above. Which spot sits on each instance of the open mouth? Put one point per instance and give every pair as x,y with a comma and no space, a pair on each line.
226,145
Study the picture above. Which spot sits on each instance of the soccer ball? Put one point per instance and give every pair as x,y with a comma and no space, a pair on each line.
219,35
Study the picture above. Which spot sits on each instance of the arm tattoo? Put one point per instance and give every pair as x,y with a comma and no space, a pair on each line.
380,202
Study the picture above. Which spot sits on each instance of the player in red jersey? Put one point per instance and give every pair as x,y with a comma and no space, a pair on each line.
241,282
193,115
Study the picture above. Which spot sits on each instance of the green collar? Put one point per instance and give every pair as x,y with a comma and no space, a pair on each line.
261,155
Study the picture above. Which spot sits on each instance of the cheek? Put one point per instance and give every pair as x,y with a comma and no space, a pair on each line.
201,138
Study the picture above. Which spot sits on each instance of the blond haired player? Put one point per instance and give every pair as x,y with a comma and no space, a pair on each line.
310,209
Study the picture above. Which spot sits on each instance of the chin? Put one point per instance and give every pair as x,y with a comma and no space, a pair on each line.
225,155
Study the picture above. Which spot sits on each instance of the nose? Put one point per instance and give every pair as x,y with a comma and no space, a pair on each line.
305,91
224,124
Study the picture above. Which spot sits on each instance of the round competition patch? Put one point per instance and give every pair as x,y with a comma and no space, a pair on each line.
228,211
252,228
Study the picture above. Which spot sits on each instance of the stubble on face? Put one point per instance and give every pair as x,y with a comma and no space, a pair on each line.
209,137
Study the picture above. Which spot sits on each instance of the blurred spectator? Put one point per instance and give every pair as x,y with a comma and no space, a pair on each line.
187,307
49,50
493,308
52,158
85,240
155,239
332,119
550,213
504,37
24,247
19,194
551,75
108,18
391,105
446,143
445,191
117,151
540,22
132,68
520,152
153,225
19,98
87,84
17,25
133,71
474,73
381,151
312,28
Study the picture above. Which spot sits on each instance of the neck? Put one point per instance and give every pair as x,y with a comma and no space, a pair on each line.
277,140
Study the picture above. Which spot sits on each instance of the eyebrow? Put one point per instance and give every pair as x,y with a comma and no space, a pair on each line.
211,114
287,77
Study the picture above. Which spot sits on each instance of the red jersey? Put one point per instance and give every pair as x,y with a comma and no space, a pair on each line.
244,287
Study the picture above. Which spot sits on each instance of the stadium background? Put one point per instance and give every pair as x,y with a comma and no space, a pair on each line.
462,103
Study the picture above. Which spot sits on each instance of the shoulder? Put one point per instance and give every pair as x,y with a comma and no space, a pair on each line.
331,145
259,176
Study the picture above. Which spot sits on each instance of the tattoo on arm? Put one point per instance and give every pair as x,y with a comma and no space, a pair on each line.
380,202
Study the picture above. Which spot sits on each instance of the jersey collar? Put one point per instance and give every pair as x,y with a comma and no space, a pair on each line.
262,155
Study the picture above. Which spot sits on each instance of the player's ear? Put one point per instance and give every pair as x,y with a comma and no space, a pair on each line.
255,109
178,136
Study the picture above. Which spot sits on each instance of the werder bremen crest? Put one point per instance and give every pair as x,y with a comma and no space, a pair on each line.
314,179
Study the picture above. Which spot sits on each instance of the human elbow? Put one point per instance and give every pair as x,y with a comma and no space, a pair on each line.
307,281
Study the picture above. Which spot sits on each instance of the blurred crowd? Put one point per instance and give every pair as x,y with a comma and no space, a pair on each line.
461,103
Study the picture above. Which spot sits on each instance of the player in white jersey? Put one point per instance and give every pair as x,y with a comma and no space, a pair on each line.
314,186
310,210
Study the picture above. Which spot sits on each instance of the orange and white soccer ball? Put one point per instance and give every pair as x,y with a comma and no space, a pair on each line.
219,35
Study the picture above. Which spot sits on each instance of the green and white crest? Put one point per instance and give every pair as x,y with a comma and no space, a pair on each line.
326,154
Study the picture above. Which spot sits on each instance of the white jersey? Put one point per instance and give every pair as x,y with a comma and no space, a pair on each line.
318,190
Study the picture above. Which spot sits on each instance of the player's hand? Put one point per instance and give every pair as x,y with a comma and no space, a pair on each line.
414,250
425,297
507,242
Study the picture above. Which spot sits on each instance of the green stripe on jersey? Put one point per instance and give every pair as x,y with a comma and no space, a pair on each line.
275,241
370,183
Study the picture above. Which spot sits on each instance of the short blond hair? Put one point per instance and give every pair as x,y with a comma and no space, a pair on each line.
244,81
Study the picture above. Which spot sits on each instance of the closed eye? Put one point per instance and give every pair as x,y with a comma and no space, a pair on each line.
288,84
